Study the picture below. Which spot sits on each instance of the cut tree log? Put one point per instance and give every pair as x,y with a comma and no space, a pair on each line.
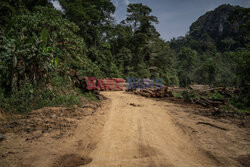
210,102
160,93
199,87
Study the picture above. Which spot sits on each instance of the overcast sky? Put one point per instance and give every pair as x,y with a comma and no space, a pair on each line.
175,16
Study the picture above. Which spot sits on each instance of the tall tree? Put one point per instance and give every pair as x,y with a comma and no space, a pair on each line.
144,33
92,16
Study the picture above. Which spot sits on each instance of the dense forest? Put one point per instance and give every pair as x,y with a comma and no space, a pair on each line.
41,46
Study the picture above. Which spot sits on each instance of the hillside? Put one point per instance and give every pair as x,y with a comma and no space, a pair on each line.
217,44
225,27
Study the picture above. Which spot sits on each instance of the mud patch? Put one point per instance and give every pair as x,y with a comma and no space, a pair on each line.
146,151
212,157
72,160
135,105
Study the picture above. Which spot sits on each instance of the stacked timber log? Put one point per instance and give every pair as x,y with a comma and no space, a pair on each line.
114,84
176,89
197,87
155,93
211,102
149,88
204,90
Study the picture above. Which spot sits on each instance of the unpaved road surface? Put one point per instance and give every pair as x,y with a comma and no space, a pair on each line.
134,131
139,132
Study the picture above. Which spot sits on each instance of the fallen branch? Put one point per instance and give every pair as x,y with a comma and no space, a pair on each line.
215,126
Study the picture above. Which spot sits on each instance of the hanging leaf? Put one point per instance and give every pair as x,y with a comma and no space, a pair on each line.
44,37
14,62
57,62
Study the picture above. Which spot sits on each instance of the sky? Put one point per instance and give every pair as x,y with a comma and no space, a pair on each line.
175,16
57,5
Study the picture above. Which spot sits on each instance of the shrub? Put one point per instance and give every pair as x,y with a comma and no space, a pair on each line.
190,95
215,95
177,94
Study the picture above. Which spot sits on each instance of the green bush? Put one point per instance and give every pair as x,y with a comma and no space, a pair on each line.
177,94
215,95
19,101
242,103
23,102
190,95
246,111
29,97
90,96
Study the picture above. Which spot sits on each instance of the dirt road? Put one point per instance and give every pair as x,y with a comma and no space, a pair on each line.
140,132
130,131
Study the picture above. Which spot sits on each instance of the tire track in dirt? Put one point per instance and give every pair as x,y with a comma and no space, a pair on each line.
143,134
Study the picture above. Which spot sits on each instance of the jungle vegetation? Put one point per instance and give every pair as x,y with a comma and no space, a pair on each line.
40,46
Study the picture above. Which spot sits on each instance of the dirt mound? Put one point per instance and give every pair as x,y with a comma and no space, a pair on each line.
45,120
52,136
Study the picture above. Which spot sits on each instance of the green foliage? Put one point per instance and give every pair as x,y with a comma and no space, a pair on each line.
247,111
242,102
37,45
141,20
90,96
48,98
92,16
215,95
187,60
207,72
215,51
31,97
242,60
190,95
178,94
40,47
18,101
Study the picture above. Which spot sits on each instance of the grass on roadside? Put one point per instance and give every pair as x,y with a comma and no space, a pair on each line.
60,92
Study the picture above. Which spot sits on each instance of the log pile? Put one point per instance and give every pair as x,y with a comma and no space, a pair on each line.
149,88
176,89
227,92
197,87
211,102
114,84
155,93
206,89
